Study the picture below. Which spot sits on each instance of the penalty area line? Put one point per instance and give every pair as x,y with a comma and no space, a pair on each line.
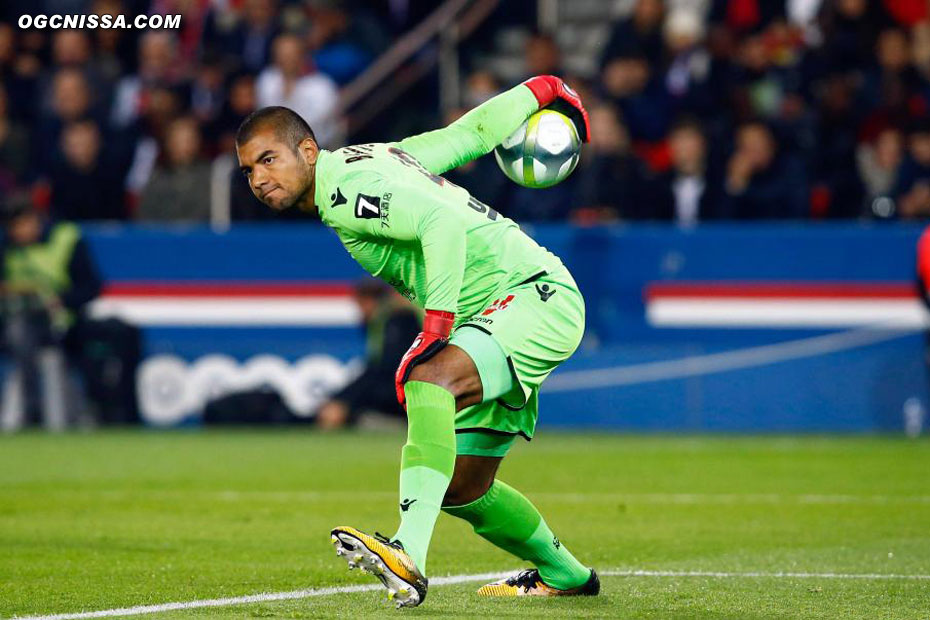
267,597
264,597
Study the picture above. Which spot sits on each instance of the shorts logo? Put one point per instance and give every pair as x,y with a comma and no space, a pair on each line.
368,207
545,292
499,304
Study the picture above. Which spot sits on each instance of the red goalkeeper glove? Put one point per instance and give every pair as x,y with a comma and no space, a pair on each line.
435,335
551,91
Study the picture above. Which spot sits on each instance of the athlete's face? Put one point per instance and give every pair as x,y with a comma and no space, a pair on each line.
277,175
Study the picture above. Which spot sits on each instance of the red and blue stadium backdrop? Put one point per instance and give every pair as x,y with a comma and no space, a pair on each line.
751,327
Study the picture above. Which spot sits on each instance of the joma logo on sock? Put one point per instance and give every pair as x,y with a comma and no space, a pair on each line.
555,542
406,504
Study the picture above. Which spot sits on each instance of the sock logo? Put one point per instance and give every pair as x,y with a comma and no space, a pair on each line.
406,504
555,539
545,292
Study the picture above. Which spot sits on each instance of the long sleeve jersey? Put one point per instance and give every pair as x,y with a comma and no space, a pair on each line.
428,238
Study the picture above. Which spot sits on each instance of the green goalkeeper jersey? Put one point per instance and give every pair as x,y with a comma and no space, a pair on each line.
428,238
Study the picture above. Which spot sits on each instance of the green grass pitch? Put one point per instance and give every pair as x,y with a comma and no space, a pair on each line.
108,520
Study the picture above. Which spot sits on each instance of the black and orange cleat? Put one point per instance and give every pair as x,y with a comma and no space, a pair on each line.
384,559
529,583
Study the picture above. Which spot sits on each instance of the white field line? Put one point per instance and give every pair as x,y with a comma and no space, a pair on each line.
738,359
632,497
759,575
450,580
264,597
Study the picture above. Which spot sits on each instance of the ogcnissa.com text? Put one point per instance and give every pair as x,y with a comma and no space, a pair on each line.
93,20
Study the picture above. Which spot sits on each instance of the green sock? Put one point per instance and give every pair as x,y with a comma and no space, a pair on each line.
505,518
426,465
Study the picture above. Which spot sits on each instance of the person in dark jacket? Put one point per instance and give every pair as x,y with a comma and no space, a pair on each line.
391,323
761,181
690,190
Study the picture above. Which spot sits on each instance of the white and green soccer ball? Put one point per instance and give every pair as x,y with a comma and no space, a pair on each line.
543,151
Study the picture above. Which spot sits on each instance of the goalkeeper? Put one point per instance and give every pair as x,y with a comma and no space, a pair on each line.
501,314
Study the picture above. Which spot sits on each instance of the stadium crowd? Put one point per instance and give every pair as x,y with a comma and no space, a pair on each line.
700,109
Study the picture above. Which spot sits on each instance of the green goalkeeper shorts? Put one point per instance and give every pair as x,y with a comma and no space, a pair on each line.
532,327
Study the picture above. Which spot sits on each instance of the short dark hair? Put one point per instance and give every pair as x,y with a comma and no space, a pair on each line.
287,124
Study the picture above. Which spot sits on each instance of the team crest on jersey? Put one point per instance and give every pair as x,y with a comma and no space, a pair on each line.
368,207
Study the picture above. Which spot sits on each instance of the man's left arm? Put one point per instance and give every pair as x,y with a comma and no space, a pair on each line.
484,127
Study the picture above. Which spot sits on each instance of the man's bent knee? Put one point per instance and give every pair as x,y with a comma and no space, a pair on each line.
452,370
472,478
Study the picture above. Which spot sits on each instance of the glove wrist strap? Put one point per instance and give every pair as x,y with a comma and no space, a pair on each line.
543,88
438,322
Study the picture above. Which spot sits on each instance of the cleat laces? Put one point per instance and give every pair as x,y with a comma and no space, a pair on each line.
390,543
526,579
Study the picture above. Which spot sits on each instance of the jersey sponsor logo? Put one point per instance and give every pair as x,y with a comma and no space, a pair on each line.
338,199
499,304
368,207
545,292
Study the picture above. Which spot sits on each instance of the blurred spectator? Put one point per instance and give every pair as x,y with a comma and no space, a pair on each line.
343,43
630,84
912,187
72,49
48,279
878,163
479,87
179,190
244,39
892,84
289,82
688,76
541,56
86,184
391,323
208,90
162,107
240,102
71,101
640,34
762,85
610,179
761,182
114,47
689,191
158,68
830,142
14,147
851,27
19,71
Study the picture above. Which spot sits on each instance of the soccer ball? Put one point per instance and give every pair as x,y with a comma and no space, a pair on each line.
542,152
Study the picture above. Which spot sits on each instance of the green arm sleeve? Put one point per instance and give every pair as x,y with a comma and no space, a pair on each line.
475,134
443,244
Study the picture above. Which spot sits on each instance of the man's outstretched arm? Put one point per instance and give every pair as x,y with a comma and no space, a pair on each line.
486,126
